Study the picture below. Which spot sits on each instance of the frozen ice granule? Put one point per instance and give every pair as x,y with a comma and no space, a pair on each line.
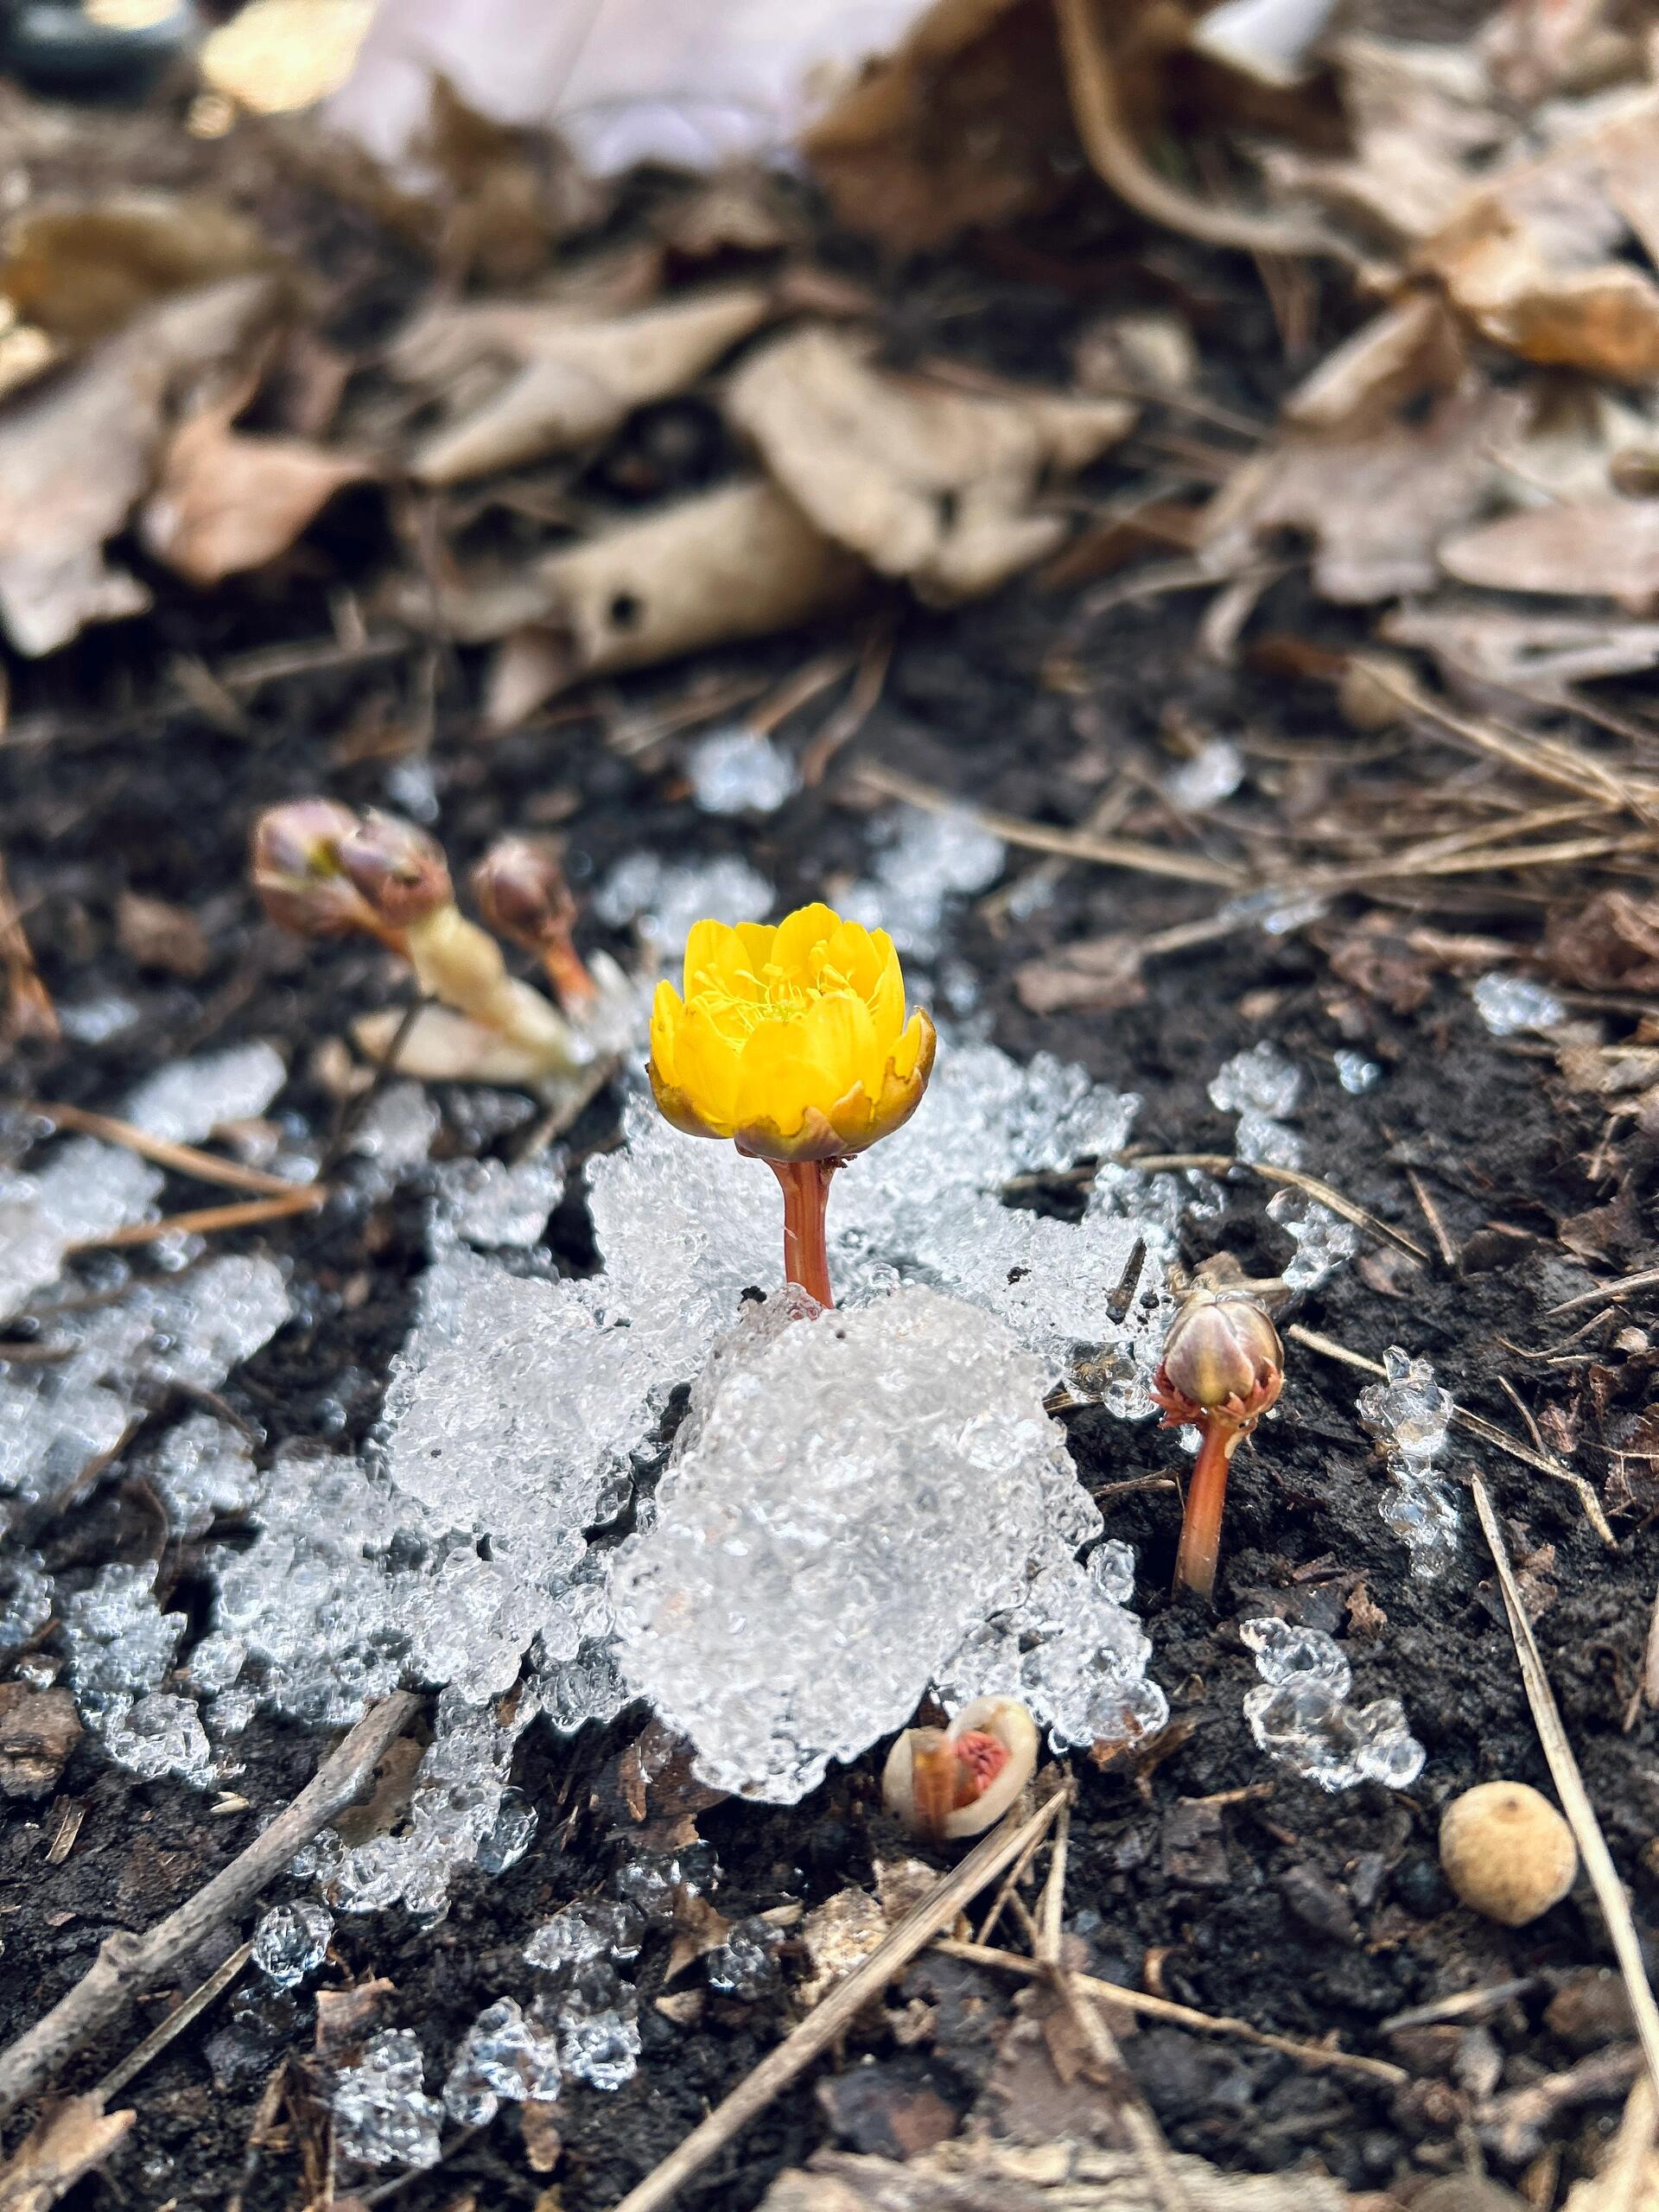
1356,1073
188,1100
1299,1712
86,1190
740,770
382,2117
202,1468
925,861
120,1642
1509,1005
159,1735
501,2055
1262,1078
1284,1651
745,1964
25,1600
1408,1411
291,1941
597,2017
593,1928
1324,1241
1214,772
492,1205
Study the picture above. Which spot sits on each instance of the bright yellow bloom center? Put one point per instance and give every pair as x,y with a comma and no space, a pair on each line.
791,1041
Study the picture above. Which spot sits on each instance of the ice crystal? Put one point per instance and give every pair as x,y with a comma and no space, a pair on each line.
84,1191
740,770
1407,1415
745,1964
291,1941
1262,1088
201,1469
593,1928
188,1100
846,1501
662,898
1323,1239
1510,1005
1214,772
393,1138
25,1600
120,1643
157,1735
382,2117
597,2016
1356,1073
501,2055
494,1207
924,862
1300,1712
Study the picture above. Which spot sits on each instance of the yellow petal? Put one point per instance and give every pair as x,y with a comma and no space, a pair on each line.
707,1068
797,933
704,949
666,1014
908,1051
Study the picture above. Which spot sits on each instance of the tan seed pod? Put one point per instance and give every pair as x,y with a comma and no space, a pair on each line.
1507,1852
945,1783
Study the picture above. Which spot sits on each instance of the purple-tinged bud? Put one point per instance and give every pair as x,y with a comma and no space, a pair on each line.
400,872
1222,1355
522,894
294,864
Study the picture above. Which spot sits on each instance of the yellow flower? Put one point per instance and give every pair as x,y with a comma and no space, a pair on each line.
791,1041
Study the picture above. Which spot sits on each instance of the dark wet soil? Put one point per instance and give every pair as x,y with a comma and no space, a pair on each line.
1308,1915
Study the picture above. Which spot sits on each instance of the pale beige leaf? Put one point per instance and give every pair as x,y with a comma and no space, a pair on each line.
226,502
70,2142
1629,2178
79,452
1597,549
1376,503
1410,347
923,480
557,381
1539,652
976,2174
80,268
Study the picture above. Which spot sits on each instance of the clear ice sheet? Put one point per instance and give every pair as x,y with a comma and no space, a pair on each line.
1300,1712
924,863
1407,1415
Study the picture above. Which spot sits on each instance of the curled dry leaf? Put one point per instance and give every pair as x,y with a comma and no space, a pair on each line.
1412,348
569,379
226,502
1376,502
80,268
1101,973
923,480
738,562
927,143
1536,652
76,454
71,2141
1596,548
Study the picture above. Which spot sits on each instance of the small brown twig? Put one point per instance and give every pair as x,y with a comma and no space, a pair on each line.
1569,1787
841,727
175,2022
1184,2015
831,2017
126,1965
183,1158
204,1220
29,1011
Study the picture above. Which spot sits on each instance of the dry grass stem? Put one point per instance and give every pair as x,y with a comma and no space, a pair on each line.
183,1158
205,1221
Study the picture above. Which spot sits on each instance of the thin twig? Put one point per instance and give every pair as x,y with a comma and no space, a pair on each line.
841,727
30,1011
1431,1214
175,2022
126,1965
1184,2015
1647,1688
305,1198
1218,1163
1477,1426
1569,1787
1038,837
1462,2005
1145,2137
1645,1279
183,1158
834,2015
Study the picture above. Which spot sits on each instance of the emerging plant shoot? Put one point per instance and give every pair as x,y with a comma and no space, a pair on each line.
1223,1367
947,1783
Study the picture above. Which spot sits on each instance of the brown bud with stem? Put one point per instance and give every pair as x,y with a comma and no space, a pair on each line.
294,862
522,894
947,1783
1222,1368
399,870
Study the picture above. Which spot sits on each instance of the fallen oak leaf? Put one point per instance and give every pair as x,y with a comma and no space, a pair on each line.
569,380
1603,548
78,452
922,480
60,2150
226,502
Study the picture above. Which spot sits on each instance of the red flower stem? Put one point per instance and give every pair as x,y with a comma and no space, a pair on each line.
806,1196
1206,1495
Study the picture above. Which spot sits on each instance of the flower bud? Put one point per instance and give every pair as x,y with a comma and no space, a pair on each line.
947,1783
294,862
522,894
400,872
1222,1355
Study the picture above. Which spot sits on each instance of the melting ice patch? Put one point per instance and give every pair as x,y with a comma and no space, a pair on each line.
1300,1712
1407,1415
924,863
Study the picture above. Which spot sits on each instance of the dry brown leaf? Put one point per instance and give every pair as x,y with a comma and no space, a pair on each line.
155,933
741,562
925,481
927,144
38,1731
71,2141
569,380
839,1934
1498,268
1627,150
1099,973
76,454
975,2174
1376,503
80,268
1611,944
226,502
1595,548
1412,348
